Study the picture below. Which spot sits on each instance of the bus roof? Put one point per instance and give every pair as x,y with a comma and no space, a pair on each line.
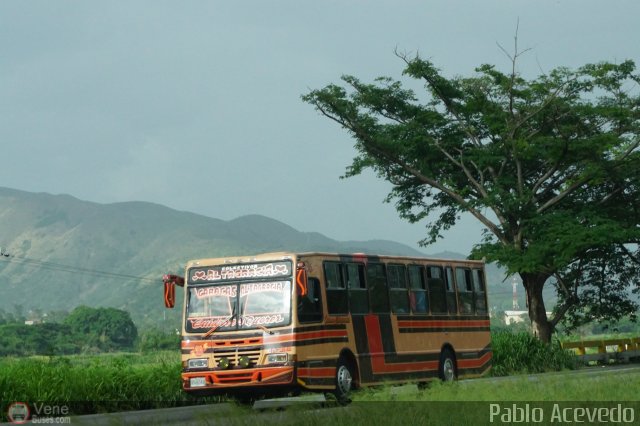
284,255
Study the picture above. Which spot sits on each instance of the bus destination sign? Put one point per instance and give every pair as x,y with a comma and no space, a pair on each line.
220,273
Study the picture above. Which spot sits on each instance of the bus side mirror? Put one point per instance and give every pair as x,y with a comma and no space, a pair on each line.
301,280
169,294
170,282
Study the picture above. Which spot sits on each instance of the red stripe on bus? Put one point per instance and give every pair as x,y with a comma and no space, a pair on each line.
376,351
474,363
317,372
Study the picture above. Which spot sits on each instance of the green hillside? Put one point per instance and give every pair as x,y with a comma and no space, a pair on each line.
66,252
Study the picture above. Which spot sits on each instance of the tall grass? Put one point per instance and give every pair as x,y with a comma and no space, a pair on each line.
95,384
521,352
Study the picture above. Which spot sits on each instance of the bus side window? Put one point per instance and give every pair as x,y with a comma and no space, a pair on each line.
337,302
417,293
480,292
397,277
452,299
378,290
310,305
465,291
437,289
358,300
355,276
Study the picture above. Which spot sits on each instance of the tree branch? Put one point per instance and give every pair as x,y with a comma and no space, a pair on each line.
555,200
570,300
448,105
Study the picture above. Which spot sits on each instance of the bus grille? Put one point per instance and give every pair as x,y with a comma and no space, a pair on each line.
233,355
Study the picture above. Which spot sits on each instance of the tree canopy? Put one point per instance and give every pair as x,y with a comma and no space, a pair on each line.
109,327
550,167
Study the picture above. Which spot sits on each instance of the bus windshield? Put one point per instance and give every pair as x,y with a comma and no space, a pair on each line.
258,304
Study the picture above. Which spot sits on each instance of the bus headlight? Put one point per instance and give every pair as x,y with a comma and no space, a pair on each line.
223,363
244,361
198,363
277,358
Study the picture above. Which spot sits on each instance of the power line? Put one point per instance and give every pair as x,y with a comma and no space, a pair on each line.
59,267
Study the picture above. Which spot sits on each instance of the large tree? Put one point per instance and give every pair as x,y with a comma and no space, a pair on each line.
550,167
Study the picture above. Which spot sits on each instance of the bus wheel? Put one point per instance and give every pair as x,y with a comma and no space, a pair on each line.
344,381
447,368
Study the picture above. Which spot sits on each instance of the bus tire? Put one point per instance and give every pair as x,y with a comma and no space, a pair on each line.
344,381
447,369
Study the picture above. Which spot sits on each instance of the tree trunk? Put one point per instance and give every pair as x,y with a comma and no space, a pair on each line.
540,325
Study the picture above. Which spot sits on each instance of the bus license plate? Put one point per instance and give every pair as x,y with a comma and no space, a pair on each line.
196,382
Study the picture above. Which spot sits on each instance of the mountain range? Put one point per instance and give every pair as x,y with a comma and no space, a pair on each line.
60,252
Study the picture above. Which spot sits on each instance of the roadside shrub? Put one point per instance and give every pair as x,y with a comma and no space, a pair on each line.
156,340
523,353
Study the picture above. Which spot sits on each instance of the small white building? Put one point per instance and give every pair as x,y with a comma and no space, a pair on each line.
514,317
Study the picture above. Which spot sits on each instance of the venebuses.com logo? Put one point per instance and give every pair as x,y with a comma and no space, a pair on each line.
20,413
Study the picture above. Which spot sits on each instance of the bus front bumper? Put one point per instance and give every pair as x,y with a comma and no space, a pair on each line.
238,378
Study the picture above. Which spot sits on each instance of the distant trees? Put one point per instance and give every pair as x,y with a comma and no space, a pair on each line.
84,329
40,339
154,340
105,328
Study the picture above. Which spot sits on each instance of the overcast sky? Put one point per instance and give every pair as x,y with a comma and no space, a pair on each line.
196,104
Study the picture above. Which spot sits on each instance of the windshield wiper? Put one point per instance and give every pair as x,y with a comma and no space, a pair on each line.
220,324
263,328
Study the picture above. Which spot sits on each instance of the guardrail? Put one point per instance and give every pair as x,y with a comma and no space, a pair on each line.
617,350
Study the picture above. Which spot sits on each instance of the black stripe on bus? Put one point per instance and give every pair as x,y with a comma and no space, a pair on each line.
395,358
362,347
427,317
482,352
318,363
386,332
319,381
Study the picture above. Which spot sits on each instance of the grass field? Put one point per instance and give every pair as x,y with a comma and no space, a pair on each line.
132,381
550,387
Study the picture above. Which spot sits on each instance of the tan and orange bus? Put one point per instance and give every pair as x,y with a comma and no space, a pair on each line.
329,322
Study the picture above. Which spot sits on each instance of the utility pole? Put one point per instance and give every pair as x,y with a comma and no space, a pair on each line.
516,306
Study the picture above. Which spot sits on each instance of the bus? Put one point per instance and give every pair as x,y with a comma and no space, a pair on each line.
329,322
